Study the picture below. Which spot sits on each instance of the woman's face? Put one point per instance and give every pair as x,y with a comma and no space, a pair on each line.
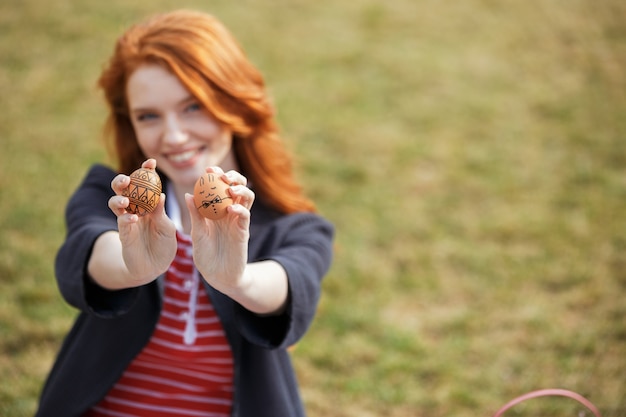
174,128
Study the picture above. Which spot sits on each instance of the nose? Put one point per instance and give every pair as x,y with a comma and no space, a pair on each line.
174,131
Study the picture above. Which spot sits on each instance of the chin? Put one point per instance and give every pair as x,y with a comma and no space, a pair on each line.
182,177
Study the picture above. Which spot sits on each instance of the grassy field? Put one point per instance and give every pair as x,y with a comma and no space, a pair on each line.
471,154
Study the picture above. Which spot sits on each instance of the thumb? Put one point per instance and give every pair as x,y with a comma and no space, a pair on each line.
160,207
193,211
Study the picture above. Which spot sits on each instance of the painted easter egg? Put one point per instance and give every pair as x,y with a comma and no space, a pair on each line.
143,192
210,196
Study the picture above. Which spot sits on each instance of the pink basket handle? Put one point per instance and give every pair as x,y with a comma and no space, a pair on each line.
546,393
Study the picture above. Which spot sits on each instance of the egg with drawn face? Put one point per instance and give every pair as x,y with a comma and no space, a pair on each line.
211,197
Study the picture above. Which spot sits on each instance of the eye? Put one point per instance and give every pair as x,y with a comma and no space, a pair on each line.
193,107
147,116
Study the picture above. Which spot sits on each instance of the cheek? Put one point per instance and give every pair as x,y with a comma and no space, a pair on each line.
227,140
224,138
212,131
147,141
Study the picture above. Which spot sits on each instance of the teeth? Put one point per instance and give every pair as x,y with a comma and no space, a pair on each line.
182,157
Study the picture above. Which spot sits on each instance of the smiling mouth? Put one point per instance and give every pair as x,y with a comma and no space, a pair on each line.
182,157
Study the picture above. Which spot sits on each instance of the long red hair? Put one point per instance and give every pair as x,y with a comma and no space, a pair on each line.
210,63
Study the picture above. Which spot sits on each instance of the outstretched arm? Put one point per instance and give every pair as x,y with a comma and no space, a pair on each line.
221,253
143,248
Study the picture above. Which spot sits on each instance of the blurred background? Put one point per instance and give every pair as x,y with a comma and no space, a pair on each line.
471,155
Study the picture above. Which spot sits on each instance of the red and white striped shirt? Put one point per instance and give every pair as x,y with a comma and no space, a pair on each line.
186,369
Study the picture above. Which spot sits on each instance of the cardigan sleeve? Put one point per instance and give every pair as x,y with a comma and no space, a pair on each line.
87,217
302,244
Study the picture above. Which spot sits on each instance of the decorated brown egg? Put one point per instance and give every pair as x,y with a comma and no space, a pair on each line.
143,192
210,196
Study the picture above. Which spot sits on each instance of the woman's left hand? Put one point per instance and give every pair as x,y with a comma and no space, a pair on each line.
220,247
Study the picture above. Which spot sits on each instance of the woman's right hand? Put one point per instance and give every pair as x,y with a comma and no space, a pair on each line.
148,243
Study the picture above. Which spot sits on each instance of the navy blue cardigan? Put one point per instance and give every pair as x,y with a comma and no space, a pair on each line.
113,326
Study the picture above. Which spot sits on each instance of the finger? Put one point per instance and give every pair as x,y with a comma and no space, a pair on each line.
214,170
118,204
242,195
120,183
160,207
149,163
235,178
126,219
231,177
242,214
193,211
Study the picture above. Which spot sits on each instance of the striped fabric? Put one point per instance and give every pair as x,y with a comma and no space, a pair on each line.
186,369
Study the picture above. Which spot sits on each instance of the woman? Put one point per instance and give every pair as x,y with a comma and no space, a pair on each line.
181,315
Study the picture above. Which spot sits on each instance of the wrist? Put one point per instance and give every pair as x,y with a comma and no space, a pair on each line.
262,288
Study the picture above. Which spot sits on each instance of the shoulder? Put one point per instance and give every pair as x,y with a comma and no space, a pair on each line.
92,194
97,179
98,173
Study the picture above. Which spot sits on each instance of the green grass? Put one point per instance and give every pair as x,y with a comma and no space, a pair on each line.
471,155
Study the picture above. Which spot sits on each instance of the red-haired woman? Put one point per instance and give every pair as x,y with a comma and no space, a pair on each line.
181,315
